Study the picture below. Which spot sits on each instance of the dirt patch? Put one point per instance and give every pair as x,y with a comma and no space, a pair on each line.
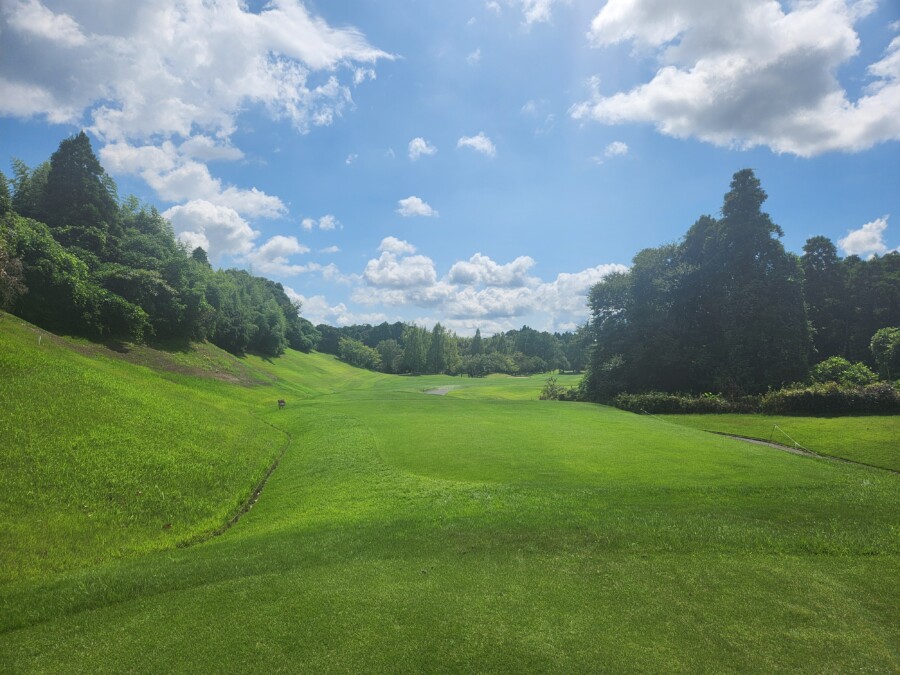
441,391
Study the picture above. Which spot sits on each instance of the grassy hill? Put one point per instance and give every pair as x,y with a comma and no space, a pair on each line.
478,531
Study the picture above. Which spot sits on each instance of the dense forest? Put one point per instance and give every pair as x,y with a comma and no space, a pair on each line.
75,259
406,348
728,310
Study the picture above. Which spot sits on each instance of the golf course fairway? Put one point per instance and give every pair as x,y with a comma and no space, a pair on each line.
478,531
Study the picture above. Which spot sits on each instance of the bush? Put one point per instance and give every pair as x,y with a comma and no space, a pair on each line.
660,403
830,398
840,370
553,391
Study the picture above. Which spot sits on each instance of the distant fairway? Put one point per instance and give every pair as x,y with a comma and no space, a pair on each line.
478,531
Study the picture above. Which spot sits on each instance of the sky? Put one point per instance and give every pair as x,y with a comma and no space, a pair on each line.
479,164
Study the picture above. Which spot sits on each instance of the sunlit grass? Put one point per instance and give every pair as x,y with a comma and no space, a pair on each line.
869,439
479,531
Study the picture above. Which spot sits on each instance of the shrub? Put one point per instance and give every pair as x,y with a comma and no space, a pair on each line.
553,391
660,403
830,398
840,370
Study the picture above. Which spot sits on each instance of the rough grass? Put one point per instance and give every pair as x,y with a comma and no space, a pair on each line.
873,440
404,532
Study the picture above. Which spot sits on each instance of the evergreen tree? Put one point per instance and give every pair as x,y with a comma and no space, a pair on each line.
80,198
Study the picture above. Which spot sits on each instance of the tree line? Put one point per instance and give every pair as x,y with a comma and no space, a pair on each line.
727,309
76,259
407,348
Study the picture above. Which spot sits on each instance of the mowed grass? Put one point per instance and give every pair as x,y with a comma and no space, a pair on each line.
873,440
102,458
405,532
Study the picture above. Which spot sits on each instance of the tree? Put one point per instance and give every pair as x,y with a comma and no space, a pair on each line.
436,358
80,198
415,349
357,354
825,292
885,346
477,346
722,310
5,197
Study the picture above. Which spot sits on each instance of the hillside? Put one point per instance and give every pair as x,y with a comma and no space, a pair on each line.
404,532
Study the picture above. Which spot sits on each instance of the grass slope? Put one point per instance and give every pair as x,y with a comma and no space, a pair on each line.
870,440
404,532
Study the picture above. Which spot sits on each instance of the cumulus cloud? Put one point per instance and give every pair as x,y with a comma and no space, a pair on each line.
481,270
479,291
867,241
616,149
745,73
396,246
218,229
273,257
399,268
326,222
414,206
480,143
203,62
419,147
318,310
330,249
162,86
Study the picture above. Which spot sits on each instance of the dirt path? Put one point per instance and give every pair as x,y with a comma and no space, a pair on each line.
800,451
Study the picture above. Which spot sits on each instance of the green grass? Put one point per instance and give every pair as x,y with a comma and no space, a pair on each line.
870,440
403,532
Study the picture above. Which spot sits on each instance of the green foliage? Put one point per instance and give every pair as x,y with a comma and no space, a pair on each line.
554,391
660,403
723,310
885,347
830,398
357,354
104,269
79,194
5,197
840,370
12,281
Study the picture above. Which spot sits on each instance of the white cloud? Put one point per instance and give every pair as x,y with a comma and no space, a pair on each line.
218,229
396,246
398,271
477,292
418,147
352,157
414,206
537,11
176,177
616,149
481,270
493,6
33,18
330,249
745,73
481,143
867,241
326,222
163,84
474,58
273,257
318,310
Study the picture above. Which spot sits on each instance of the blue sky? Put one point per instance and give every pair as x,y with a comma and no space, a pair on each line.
475,163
